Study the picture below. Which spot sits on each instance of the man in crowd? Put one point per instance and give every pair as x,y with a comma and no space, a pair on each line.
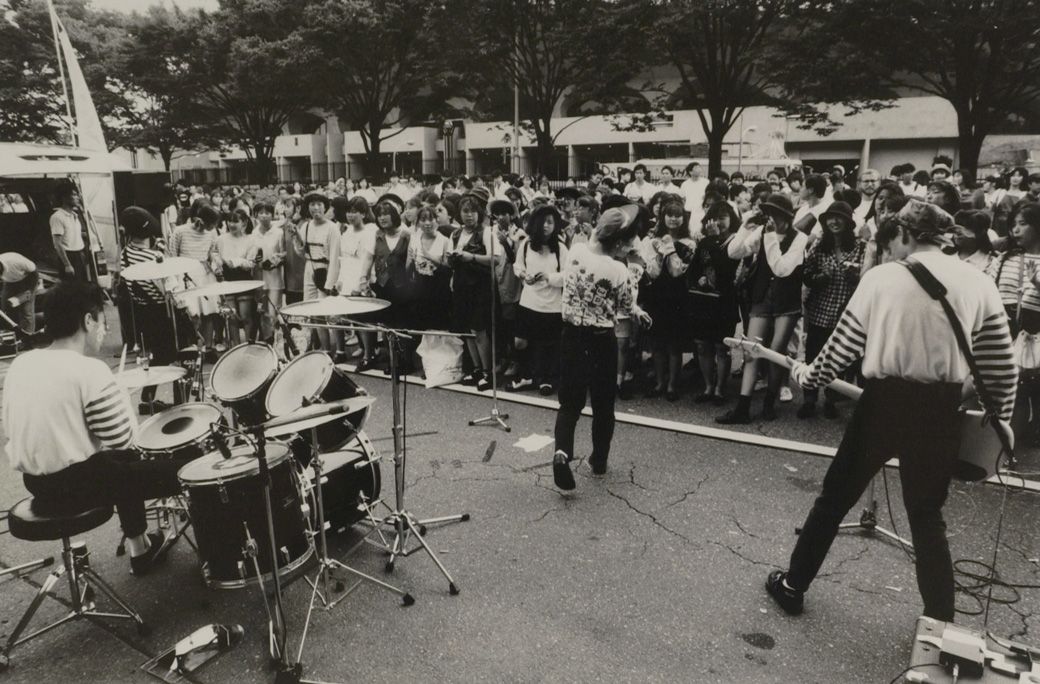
692,190
813,204
869,180
18,294
67,233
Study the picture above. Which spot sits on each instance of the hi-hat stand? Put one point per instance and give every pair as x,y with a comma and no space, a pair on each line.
404,523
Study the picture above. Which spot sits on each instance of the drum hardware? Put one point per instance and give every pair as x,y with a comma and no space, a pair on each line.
328,567
402,521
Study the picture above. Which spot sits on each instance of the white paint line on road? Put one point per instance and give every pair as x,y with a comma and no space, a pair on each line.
681,427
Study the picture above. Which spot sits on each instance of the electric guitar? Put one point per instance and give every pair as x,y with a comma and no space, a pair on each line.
980,452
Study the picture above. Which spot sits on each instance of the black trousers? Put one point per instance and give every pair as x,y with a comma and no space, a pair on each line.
588,366
917,423
119,478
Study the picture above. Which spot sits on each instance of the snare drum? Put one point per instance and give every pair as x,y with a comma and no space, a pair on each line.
226,503
312,378
345,476
183,431
241,377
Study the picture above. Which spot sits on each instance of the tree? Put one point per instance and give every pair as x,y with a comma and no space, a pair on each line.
32,105
559,53
249,71
380,64
157,112
983,56
730,54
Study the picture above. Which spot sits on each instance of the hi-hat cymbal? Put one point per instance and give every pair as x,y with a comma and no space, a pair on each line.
309,417
335,306
157,270
225,288
137,378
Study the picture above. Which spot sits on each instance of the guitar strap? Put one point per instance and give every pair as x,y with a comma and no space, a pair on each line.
937,291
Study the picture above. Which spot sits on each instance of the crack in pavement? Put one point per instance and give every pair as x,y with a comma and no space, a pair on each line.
651,516
690,493
544,515
839,567
741,556
741,527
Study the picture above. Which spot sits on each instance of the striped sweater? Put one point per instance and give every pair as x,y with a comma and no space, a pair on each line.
899,331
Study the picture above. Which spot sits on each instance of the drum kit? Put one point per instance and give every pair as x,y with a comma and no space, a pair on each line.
289,464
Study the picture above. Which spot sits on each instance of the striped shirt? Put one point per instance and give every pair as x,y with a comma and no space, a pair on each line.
60,408
142,291
190,243
1012,272
900,331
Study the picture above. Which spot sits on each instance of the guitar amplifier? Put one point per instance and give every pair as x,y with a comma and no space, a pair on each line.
980,657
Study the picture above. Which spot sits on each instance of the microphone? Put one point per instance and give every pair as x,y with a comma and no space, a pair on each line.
220,442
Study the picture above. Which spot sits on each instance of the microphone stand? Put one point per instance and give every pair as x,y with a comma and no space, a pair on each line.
496,418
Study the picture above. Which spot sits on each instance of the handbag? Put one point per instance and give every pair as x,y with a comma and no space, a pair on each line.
971,466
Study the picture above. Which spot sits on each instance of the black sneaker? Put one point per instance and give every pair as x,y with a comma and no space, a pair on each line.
624,391
484,384
734,417
806,411
768,412
562,475
790,600
830,411
545,389
471,379
141,565
597,467
363,365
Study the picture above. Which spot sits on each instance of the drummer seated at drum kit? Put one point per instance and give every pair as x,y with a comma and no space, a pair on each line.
71,429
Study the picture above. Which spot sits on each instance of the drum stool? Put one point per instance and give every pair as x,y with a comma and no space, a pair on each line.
83,581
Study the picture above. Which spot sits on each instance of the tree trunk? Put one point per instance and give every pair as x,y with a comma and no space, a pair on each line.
166,153
261,167
970,136
373,162
715,137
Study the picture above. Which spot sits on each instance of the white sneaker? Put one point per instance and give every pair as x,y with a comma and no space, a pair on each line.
786,394
760,385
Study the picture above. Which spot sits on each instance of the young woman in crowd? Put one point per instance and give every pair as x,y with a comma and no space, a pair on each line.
428,266
971,238
472,299
831,272
1017,274
356,249
447,212
539,264
295,262
270,254
198,240
317,239
713,292
237,251
365,190
1017,186
775,293
667,256
527,188
390,278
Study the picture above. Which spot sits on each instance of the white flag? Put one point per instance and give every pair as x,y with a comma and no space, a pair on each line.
88,125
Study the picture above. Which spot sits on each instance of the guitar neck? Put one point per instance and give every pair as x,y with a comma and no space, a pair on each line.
757,350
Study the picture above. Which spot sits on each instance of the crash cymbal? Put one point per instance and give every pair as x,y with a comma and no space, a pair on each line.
309,417
225,288
335,306
137,378
157,270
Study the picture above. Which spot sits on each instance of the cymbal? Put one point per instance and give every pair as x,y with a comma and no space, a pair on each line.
225,288
157,270
335,306
309,417
137,378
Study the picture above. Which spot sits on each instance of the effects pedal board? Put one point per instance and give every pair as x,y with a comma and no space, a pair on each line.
979,657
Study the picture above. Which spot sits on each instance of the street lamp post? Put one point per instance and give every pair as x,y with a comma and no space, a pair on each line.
449,144
740,152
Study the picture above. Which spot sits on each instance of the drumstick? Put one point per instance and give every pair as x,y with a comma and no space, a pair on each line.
122,359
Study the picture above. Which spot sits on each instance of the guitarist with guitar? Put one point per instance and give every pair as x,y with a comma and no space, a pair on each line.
899,321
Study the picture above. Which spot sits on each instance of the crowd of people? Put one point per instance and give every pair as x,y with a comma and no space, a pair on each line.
774,258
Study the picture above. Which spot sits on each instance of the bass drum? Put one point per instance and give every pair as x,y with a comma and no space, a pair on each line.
226,503
312,378
184,431
348,477
240,380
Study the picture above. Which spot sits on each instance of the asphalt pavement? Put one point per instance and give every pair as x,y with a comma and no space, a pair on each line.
651,573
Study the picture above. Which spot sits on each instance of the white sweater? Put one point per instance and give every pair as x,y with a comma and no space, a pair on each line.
545,296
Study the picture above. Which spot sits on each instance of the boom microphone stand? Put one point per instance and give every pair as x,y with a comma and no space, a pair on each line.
496,418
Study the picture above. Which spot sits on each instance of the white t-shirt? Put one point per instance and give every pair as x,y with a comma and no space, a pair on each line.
693,192
354,247
272,247
16,267
641,193
596,289
426,259
61,408
860,212
66,225
545,296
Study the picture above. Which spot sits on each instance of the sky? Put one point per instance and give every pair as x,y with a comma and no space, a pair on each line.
130,5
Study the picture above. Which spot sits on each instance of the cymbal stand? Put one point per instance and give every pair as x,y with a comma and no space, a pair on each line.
403,522
496,418
329,567
868,521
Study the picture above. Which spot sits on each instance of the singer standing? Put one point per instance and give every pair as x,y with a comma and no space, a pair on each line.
596,289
